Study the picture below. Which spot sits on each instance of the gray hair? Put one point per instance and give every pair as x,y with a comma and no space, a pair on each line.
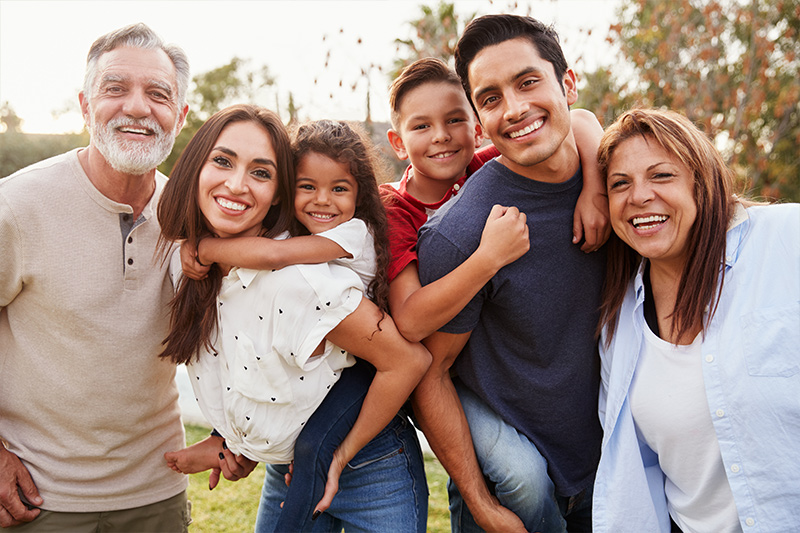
138,36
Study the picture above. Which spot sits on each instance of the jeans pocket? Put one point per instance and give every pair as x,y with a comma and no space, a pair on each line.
771,337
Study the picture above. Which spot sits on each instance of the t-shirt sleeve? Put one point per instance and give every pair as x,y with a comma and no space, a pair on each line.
438,256
350,235
10,251
402,239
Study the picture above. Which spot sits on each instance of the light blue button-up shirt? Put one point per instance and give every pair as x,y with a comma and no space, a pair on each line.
751,373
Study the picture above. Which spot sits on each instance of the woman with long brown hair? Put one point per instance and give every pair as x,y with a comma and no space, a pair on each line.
263,346
700,393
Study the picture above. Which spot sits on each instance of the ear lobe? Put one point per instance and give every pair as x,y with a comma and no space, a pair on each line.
396,142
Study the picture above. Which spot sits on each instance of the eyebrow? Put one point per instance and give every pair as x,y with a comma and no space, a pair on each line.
258,160
119,78
524,72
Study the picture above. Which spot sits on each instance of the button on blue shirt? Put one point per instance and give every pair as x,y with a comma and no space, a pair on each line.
751,373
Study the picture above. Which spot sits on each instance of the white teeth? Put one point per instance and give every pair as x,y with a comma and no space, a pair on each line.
227,204
533,127
325,216
129,129
652,220
442,155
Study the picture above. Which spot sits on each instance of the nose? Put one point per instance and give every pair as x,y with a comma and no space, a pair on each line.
136,104
322,196
515,106
441,134
641,192
237,182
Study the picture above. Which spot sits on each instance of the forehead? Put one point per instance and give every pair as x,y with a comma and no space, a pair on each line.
247,138
321,167
433,98
500,63
137,64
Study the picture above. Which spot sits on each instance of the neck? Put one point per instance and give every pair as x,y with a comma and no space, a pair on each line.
665,280
134,190
559,167
428,191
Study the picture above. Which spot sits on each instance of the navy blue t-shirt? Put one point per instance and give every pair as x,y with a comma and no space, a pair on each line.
532,355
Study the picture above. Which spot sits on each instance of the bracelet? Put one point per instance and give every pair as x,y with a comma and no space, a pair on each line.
197,258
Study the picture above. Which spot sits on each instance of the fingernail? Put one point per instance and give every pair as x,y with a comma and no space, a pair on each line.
224,445
221,456
316,514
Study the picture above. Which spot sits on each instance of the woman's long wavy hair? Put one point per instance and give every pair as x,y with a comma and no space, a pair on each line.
193,319
703,273
347,145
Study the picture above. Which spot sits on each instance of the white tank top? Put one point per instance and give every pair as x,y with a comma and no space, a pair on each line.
670,409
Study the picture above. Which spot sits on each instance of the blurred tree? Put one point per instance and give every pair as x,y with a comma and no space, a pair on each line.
435,34
729,65
9,120
213,90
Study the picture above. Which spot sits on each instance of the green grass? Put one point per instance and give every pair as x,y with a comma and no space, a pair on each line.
231,507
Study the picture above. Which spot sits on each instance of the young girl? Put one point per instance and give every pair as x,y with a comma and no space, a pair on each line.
265,349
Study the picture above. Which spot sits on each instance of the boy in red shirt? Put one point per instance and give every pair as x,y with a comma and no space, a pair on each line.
435,128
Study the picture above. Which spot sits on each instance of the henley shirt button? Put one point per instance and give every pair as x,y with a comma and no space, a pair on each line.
130,240
735,469
130,261
750,522
720,413
728,258
709,358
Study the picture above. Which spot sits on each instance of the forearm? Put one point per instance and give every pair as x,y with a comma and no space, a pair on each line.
260,253
430,307
439,413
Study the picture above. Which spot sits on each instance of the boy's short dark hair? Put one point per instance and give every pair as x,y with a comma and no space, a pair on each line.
421,71
494,29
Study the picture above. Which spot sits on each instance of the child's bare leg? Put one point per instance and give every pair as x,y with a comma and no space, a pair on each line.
198,457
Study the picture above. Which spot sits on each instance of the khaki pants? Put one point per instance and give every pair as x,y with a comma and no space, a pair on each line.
168,516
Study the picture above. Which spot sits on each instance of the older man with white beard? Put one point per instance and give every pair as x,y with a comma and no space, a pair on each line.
87,408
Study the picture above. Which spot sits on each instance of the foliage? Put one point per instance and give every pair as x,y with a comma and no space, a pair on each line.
18,150
231,507
435,34
211,91
729,65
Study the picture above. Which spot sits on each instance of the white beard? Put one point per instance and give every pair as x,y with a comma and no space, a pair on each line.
128,156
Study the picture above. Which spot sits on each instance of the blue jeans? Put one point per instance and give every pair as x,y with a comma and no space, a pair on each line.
383,488
517,474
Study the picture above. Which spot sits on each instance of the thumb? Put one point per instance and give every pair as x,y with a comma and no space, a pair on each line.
29,489
577,229
213,478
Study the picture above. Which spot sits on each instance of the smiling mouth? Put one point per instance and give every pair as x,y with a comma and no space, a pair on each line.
227,204
524,131
135,130
322,216
443,155
648,222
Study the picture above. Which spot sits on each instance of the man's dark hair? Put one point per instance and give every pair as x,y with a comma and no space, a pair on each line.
495,29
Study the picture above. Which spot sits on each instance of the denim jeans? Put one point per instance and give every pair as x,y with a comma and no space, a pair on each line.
383,488
517,474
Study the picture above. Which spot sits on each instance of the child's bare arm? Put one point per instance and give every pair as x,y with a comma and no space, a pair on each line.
419,311
591,220
261,253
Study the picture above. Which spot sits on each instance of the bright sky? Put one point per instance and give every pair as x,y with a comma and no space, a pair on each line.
43,46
